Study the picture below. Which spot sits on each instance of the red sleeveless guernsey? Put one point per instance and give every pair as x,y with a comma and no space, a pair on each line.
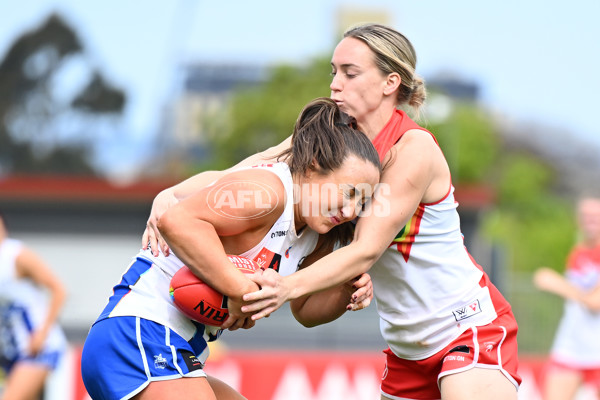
397,126
428,289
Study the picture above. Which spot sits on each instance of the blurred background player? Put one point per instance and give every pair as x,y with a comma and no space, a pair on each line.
31,342
575,353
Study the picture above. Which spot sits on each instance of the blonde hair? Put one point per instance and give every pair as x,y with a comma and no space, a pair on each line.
394,53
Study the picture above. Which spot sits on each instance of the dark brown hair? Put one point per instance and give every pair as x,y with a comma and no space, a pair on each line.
323,137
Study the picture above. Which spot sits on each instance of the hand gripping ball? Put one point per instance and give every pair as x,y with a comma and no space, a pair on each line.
200,302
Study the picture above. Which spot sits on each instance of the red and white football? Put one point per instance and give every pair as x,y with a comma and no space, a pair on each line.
198,300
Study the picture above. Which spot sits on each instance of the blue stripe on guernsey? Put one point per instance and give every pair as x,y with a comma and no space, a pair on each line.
26,319
137,268
17,311
14,325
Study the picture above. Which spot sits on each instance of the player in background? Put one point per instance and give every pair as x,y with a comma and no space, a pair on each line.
31,342
575,353
451,334
276,214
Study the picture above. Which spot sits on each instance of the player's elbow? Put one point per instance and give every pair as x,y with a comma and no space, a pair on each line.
308,322
61,294
300,313
371,256
305,323
168,223
366,255
309,317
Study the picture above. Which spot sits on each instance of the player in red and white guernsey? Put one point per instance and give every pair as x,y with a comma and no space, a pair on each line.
142,346
575,354
451,334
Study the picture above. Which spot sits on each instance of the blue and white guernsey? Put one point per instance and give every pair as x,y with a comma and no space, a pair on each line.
144,288
23,308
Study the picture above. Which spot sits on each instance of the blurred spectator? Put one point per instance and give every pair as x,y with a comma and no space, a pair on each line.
31,342
575,354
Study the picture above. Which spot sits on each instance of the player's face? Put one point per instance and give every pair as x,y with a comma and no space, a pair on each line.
589,218
357,85
335,198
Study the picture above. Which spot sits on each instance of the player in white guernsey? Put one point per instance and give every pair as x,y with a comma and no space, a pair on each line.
31,296
575,353
142,344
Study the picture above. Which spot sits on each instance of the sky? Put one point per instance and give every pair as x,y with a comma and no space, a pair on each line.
535,60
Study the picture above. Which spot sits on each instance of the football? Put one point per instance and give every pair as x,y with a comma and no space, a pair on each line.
200,302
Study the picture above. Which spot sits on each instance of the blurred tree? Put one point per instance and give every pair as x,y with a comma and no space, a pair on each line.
35,113
263,116
532,223
531,220
99,97
470,142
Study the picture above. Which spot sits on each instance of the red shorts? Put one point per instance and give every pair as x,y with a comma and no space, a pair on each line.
491,346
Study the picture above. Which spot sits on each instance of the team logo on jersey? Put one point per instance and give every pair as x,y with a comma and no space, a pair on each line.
160,362
287,252
489,346
467,311
268,259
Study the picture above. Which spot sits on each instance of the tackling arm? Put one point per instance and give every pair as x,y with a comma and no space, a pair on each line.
405,181
328,305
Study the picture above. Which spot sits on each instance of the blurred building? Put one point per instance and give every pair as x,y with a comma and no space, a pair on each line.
201,108
454,87
348,17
